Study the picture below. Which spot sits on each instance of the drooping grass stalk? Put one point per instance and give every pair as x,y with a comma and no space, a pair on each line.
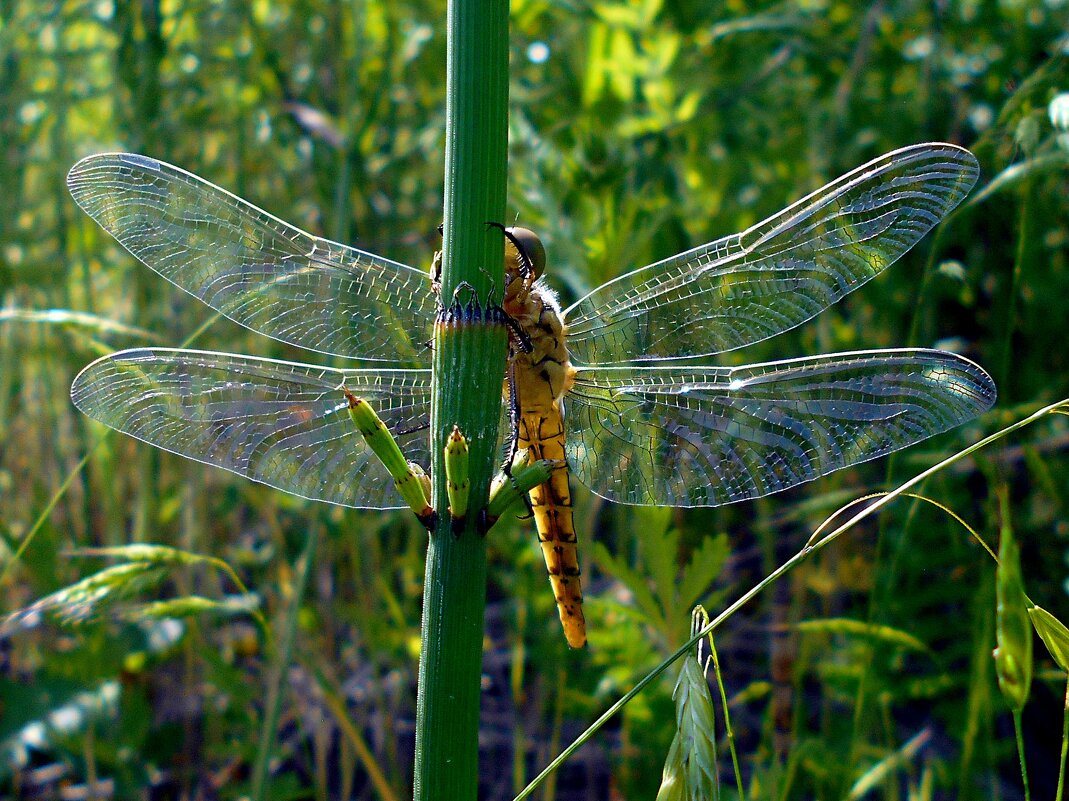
469,359
46,513
335,702
517,663
280,661
816,542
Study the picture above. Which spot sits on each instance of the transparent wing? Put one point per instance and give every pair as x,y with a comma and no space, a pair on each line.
254,268
777,274
280,423
706,436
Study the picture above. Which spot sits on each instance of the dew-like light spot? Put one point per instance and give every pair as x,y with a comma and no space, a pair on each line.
538,52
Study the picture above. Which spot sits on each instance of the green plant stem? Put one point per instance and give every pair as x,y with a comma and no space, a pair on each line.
1019,735
518,688
89,755
468,364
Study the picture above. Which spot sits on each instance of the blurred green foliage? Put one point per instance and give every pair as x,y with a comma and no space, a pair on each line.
639,129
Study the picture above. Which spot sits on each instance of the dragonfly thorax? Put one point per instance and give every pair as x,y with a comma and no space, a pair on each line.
537,351
540,355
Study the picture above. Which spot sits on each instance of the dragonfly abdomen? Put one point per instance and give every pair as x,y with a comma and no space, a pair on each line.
542,433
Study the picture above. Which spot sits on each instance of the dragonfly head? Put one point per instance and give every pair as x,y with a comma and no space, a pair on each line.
524,254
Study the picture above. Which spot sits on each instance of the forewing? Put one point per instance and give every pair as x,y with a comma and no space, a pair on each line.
706,436
283,424
254,268
777,274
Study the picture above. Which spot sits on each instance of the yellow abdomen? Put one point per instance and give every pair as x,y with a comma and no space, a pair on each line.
542,432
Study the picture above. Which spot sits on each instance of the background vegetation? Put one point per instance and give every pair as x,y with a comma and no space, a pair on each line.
638,129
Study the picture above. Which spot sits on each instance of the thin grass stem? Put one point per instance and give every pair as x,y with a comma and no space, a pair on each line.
1065,745
281,661
1018,733
335,702
814,544
729,732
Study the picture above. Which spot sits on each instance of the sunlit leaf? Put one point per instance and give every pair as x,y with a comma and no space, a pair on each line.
1053,633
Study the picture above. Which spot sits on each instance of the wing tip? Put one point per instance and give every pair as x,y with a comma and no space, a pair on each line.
83,381
82,178
984,390
94,160
959,159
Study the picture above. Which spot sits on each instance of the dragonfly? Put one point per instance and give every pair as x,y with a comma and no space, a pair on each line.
615,388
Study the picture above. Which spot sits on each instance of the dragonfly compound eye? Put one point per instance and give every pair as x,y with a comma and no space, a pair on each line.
530,248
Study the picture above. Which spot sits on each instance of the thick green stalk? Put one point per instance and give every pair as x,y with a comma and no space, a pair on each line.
469,359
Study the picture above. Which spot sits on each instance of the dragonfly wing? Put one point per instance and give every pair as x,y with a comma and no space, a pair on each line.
705,436
777,274
280,423
254,268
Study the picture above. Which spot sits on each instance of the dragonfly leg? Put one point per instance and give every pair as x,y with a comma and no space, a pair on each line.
506,490
473,298
514,423
521,337
526,499
473,310
436,275
404,432
514,419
